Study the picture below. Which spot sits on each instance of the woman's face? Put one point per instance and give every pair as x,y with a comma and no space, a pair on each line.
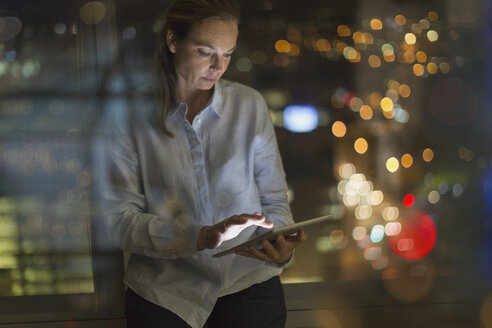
203,56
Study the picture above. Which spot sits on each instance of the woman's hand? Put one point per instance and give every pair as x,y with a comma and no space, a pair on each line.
213,236
278,251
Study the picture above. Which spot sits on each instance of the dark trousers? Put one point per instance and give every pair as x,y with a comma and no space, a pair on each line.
259,306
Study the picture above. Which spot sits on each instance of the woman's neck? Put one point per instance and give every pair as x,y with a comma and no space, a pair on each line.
195,100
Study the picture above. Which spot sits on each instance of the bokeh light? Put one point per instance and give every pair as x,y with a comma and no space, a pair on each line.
343,30
282,46
392,164
433,197
346,170
390,213
404,90
374,61
432,68
377,233
421,56
359,233
376,24
392,228
375,197
386,104
298,118
432,35
339,129
418,70
361,145
366,112
406,160
409,200
400,20
428,155
323,45
444,67
433,16
417,236
363,212
410,38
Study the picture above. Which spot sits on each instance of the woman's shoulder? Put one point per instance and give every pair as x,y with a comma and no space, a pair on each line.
121,115
237,89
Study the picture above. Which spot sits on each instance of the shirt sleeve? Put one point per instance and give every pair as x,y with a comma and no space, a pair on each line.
269,172
121,202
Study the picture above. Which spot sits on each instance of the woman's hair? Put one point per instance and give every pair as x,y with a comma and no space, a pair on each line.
180,18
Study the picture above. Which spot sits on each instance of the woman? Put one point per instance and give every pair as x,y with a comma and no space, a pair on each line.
175,180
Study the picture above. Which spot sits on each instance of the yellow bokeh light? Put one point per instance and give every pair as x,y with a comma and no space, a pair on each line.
421,56
323,45
282,46
343,30
374,61
386,104
359,37
389,58
361,145
404,90
432,35
432,68
406,161
433,16
428,155
410,38
339,129
392,164
351,54
376,24
389,114
444,67
418,69
365,112
400,20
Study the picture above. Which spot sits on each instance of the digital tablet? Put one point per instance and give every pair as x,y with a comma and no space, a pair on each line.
272,234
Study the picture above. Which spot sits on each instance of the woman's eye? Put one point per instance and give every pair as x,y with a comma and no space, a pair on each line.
227,55
203,53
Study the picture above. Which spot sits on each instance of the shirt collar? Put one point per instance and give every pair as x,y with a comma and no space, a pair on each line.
215,102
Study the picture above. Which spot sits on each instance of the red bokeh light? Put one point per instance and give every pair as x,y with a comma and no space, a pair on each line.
417,237
347,97
409,200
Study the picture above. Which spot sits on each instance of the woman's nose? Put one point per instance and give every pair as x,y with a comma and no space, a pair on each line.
217,63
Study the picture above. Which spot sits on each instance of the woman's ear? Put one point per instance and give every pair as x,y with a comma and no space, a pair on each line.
171,41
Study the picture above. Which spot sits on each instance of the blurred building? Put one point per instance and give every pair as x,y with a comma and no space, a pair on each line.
382,111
